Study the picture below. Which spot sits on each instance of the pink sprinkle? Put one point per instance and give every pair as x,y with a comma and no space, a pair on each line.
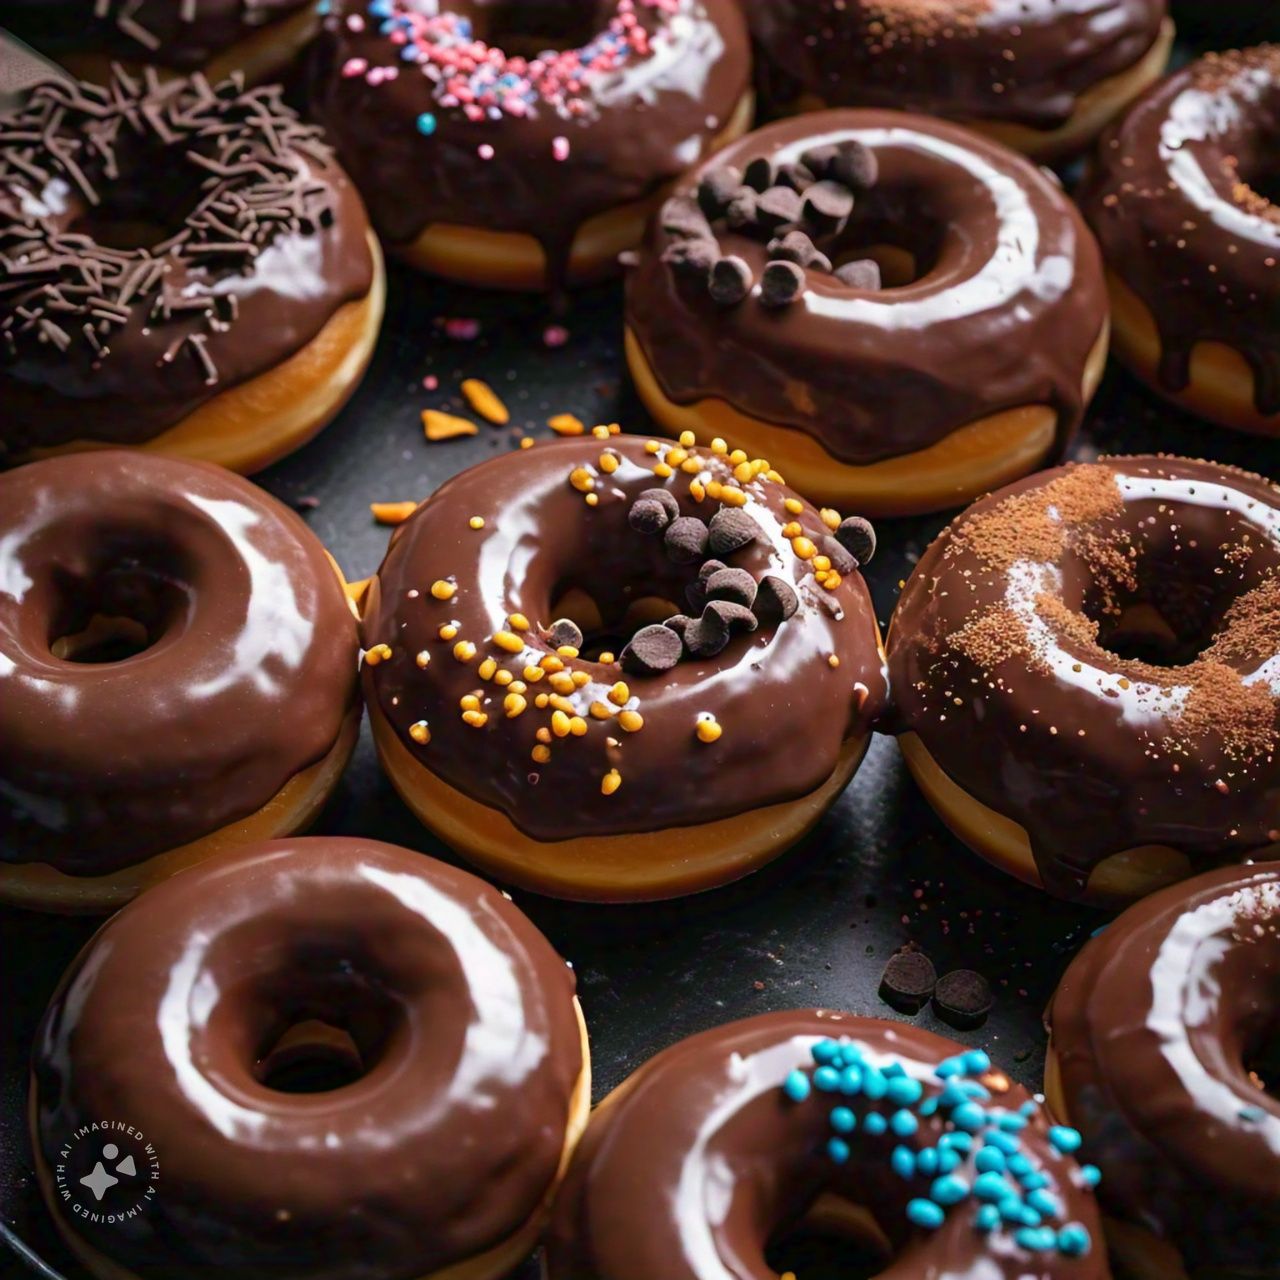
485,151
462,330
355,22
560,148
354,67
555,335
431,382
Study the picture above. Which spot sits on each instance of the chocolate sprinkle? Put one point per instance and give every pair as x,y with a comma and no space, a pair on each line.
759,174
652,650
711,633
686,540
717,189
731,530
827,206
778,207
653,511
736,586
855,166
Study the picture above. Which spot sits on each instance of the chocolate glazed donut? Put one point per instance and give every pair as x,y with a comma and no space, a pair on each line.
1166,1054
465,137
715,1151
339,1059
1042,75
175,648
1084,670
1179,198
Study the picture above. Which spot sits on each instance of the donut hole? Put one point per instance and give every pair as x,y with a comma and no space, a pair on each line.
904,242
312,1057
836,1240
607,627
1262,1060
1169,621
521,29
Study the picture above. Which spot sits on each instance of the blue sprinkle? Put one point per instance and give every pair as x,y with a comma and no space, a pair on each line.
953,1095
969,1116
874,1085
949,1067
843,1120
380,8
323,7
975,1092
927,1162
958,1140
796,1086
928,1107
1020,1166
976,1062
903,1091
824,1051
1028,1109
1065,1139
987,1219
903,1162
875,1124
991,1186
1073,1240
948,1160
1030,1217
1012,1122
426,124
827,1079
1002,1142
1037,1238
1252,1115
851,1081
948,1191
904,1124
1043,1203
1011,1210
1090,1175
1034,1181
838,1150
989,1160
924,1213
894,1071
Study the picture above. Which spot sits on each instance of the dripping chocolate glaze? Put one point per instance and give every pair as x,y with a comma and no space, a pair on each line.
1155,1027
1010,303
1002,660
262,239
784,709
182,34
1025,61
1171,202
248,674
639,127
442,1148
699,1160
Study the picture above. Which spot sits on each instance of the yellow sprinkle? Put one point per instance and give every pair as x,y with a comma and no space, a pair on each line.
714,489
744,473
565,424
487,669
830,517
476,719
792,529
775,476
541,754
663,471
506,678
793,505
698,489
561,703
543,735
688,439
423,659
614,429
601,432
482,398
567,651
606,658
443,590
592,499
420,733
652,446
469,702
821,564
541,700
464,651
803,547
526,442
562,682
737,456
476,522
620,694
601,710
675,456
609,463
582,480
691,466
733,497
610,782
549,662
580,678
509,641
514,705
448,631
833,661
719,447
533,674
578,726
831,581
446,426
392,512
709,731
631,721
379,653
517,622
560,724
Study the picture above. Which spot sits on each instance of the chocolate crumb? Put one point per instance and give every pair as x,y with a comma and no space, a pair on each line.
796,247
686,540
709,634
962,999
818,160
731,529
775,601
692,259
741,213
862,274
682,217
799,177
652,650
731,281
781,284
653,511
908,981
858,538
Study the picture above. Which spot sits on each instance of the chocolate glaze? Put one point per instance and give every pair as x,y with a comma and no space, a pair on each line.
141,337
184,36
1002,657
699,1160
1171,201
1025,61
247,679
784,710
443,1148
639,126
1154,1026
1011,302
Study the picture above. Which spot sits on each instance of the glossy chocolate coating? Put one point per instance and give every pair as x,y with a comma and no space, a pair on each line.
443,1148
1010,303
1025,61
784,709
1170,201
246,681
1001,660
699,1160
156,31
137,374
642,125
1154,1027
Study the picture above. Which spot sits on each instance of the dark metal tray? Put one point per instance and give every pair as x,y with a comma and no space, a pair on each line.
815,928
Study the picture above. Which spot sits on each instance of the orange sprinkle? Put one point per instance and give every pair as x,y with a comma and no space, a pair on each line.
565,424
484,400
526,442
476,719
610,782
420,733
379,653
392,512
709,731
631,721
446,426
443,590
541,754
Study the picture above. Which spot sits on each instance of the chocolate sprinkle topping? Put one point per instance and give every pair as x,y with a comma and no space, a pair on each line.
731,281
731,529
686,540
651,650
776,600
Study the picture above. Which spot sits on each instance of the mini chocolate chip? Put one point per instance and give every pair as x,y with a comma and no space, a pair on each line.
855,165
775,600
730,530
778,207
841,561
827,205
716,190
565,631
858,538
731,281
663,496
758,175
741,210
963,999
862,274
678,622
682,218
799,177
736,586
781,284
652,649
709,567
647,517
795,247
686,540
908,981
710,633
692,259
818,160
696,592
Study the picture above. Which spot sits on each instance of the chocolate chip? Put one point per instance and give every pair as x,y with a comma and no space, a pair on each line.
862,274
781,284
818,160
682,218
653,511
775,600
710,567
564,631
858,538
798,177
741,210
651,650
962,999
908,981
795,247
736,586
731,281
827,205
665,497
678,623
841,561
709,634
696,592
730,530
686,540
778,207
855,166
716,190
758,175
692,259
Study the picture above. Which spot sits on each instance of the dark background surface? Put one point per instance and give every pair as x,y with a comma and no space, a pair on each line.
816,927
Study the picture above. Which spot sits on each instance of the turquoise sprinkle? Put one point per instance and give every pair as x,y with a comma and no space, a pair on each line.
1074,1240
927,1162
928,1107
825,1051
838,1150
1090,1175
894,1071
851,1081
953,1095
1034,1181
903,1123
1012,1123
426,124
874,1085
843,1120
949,1067
1252,1115
1036,1238
903,1162
948,1191
959,1141
987,1218
904,1091
1011,1211
989,1160
969,1116
1002,1142
875,1124
976,1062
991,1186
1065,1139
796,1086
924,1213
827,1079
948,1160
1020,1165
1043,1203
